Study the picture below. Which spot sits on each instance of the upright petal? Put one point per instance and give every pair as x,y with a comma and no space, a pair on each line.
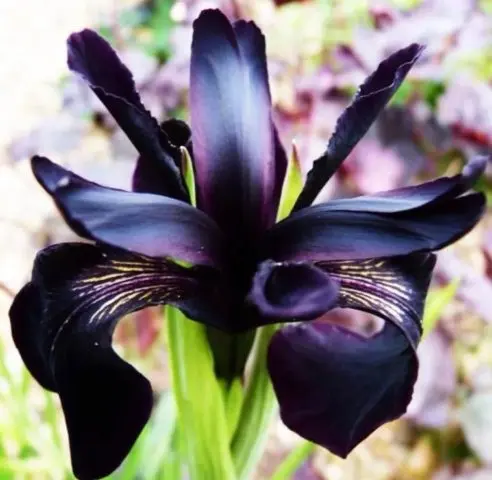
321,232
143,223
62,324
371,98
335,387
232,132
93,59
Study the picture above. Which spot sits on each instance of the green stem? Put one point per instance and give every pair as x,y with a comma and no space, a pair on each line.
293,461
257,411
200,406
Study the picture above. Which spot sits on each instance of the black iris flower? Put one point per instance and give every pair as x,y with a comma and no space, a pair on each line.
226,262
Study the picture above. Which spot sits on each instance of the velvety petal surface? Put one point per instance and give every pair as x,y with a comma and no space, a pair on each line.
233,137
322,232
335,387
93,59
143,223
293,291
371,98
62,324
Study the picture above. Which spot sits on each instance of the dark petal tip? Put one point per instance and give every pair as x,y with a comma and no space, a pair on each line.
94,60
474,169
292,291
334,387
355,121
106,403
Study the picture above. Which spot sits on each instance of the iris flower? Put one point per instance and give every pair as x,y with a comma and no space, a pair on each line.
225,262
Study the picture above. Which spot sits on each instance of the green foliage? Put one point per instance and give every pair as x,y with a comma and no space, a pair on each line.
293,461
188,174
159,27
258,408
200,404
292,186
437,301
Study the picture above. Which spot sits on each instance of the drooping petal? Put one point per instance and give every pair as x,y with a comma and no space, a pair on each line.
408,198
147,177
323,233
93,59
292,291
143,223
62,323
335,387
232,131
371,98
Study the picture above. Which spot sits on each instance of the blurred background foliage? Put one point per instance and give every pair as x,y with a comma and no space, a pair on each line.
319,51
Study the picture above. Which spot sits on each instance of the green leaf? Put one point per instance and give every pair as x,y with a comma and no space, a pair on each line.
292,186
436,302
200,405
156,444
259,406
293,461
233,398
188,174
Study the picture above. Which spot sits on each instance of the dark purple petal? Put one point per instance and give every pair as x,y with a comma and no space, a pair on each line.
335,387
93,59
373,95
408,198
147,177
280,168
233,136
292,291
391,288
321,233
143,223
62,324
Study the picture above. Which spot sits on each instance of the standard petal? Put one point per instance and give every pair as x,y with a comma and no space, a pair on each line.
407,198
321,233
233,136
335,387
93,59
62,323
371,98
143,223
292,291
147,177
